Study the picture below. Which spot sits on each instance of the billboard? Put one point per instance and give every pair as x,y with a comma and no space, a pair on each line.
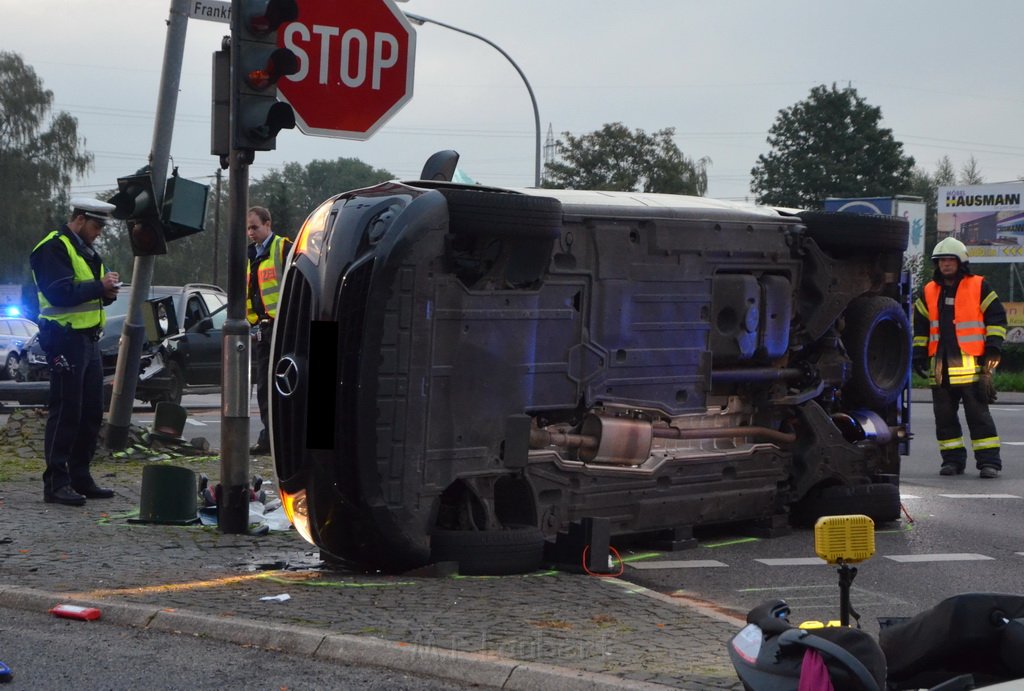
989,219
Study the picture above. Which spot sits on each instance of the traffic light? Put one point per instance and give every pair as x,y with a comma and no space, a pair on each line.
135,202
257,65
183,208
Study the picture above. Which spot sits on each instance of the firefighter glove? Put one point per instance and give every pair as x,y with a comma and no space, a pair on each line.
988,389
921,366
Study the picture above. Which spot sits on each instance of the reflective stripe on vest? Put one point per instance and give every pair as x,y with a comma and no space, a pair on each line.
268,278
83,316
968,318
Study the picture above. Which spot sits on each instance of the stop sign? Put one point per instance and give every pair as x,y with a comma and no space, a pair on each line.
356,60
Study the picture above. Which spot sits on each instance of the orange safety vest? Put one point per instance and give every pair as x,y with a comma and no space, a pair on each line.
968,319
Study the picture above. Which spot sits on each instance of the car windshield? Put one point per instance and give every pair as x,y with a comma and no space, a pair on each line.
119,307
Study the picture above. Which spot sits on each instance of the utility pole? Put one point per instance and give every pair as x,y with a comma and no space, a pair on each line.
126,376
216,231
256,116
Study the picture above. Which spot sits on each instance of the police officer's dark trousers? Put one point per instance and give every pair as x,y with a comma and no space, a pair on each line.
946,403
76,409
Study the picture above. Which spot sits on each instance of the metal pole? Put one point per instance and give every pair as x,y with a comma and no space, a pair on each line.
216,232
420,19
126,376
233,495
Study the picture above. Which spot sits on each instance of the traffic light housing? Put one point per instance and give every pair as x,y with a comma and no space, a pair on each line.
183,208
257,65
135,203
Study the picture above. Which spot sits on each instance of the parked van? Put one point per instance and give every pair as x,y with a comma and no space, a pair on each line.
471,371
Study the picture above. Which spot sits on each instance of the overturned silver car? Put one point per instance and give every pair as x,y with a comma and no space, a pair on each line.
463,372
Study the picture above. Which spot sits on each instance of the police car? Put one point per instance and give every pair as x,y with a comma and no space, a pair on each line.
15,332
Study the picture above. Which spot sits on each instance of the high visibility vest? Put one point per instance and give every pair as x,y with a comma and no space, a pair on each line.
83,316
269,273
968,318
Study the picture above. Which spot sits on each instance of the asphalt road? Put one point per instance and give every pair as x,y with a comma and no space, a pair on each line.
46,652
965,537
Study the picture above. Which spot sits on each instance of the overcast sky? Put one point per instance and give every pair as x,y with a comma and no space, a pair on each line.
718,71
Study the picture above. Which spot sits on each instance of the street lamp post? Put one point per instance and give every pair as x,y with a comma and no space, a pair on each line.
420,19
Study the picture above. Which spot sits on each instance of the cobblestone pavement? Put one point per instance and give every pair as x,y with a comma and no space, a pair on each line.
601,632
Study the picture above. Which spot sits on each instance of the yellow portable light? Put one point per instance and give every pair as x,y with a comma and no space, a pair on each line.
845,540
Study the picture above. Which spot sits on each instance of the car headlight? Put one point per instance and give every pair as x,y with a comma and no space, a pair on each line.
295,508
310,240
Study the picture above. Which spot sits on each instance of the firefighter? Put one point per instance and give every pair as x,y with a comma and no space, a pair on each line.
73,287
267,252
959,327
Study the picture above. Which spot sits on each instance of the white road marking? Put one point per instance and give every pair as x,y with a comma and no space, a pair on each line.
909,496
190,421
1012,443
907,558
687,564
794,561
980,496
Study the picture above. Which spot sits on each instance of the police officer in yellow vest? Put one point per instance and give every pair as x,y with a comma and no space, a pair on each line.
73,287
267,253
959,327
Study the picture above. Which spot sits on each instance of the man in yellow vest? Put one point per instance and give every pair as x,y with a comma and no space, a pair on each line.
267,253
959,327
73,287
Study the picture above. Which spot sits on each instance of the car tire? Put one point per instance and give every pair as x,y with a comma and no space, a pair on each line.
11,367
176,383
841,231
502,214
175,386
879,501
489,552
877,338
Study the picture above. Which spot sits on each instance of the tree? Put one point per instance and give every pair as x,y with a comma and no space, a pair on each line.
38,161
294,191
830,145
613,158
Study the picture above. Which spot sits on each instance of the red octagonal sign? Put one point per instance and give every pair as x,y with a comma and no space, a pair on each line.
356,61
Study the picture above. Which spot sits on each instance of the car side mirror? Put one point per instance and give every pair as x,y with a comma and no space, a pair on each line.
204,325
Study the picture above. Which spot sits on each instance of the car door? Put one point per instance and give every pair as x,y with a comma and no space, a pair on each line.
202,341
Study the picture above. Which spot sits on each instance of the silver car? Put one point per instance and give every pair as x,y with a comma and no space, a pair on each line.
14,333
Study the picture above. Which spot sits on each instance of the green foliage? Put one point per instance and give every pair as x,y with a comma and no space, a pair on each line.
40,155
613,158
926,185
294,191
830,145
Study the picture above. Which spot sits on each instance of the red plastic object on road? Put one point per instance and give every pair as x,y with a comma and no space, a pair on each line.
76,612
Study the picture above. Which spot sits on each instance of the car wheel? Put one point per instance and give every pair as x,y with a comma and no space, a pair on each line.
877,339
502,214
846,231
489,552
175,384
11,367
878,501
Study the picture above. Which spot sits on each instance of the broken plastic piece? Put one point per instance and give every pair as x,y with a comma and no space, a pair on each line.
76,612
5,673
283,597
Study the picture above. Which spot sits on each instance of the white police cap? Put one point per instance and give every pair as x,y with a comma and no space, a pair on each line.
93,208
